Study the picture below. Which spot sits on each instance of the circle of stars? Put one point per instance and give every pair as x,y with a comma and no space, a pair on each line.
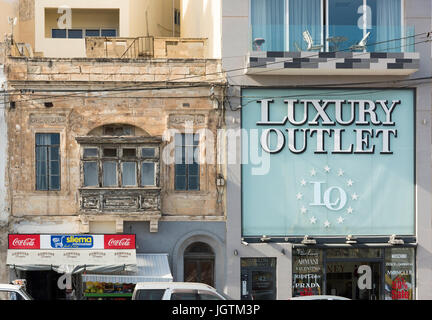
349,184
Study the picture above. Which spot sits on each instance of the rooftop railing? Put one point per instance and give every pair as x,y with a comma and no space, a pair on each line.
145,47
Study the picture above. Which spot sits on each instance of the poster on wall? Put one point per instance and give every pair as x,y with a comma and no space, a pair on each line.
328,162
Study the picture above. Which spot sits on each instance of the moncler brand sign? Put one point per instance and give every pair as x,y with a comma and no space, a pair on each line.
328,162
372,120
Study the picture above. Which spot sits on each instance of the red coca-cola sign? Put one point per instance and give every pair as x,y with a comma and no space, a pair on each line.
24,241
119,241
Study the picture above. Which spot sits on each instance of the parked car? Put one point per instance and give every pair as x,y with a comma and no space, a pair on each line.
176,291
319,297
13,292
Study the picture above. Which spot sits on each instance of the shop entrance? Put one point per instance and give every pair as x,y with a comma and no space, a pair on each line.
258,279
354,273
357,280
376,273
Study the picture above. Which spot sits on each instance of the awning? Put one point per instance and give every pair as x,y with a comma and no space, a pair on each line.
150,268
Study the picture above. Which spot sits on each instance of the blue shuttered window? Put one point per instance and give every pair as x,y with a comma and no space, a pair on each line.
47,161
187,169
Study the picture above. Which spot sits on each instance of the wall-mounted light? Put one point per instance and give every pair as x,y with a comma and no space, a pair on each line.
220,180
350,239
308,240
264,238
235,252
394,241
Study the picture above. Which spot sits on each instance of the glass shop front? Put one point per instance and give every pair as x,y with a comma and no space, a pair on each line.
355,273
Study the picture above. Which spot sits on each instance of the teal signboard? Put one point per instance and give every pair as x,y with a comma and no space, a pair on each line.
328,162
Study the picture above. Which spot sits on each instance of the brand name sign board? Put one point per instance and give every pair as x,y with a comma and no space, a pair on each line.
328,162
71,241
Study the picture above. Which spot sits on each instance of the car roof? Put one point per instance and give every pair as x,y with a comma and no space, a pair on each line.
7,286
320,297
174,285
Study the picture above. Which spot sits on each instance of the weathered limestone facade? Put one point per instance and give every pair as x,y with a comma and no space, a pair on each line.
78,98
4,213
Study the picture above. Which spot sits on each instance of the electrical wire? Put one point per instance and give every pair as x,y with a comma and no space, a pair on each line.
269,63
139,88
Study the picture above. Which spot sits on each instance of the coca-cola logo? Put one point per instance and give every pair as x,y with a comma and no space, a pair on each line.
119,242
28,242
24,242
125,242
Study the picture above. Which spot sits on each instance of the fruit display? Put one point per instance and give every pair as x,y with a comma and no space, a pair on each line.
102,288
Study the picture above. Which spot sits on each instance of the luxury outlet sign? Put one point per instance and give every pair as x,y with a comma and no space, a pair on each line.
337,162
320,123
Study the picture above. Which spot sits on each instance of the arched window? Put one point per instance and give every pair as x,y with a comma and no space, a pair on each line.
199,263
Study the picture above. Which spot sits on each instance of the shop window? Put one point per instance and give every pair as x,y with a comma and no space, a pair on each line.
258,278
199,263
355,273
47,161
399,274
307,272
187,168
119,166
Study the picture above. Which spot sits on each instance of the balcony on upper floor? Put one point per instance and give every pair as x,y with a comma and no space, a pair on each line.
332,37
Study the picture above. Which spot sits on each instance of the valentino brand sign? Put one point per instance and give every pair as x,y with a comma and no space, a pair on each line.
338,162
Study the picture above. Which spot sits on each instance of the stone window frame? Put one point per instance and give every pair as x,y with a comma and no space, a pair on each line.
59,146
119,144
184,147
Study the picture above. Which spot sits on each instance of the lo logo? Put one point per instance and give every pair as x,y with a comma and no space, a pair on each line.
325,200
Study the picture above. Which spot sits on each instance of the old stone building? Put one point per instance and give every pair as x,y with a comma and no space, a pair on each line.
121,146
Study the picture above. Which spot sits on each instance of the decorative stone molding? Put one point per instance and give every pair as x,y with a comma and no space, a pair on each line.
47,119
196,119
120,200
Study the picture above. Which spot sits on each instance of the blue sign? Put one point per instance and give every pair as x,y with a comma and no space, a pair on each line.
328,162
72,242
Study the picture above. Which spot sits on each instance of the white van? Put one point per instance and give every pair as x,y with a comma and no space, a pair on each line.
175,291
13,292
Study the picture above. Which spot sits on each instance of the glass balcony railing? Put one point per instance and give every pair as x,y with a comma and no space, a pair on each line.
375,38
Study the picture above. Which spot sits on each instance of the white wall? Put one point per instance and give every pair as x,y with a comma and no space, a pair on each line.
202,19
73,48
